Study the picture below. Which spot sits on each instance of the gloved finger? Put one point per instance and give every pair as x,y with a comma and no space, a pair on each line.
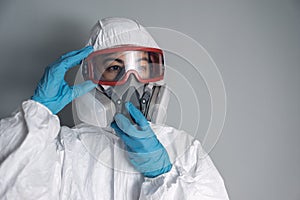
60,67
137,115
72,53
126,139
74,60
82,88
118,131
133,144
125,125
116,128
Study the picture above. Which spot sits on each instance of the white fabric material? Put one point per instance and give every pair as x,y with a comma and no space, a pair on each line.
40,160
113,31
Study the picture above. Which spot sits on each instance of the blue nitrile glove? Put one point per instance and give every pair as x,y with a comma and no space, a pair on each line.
53,91
146,153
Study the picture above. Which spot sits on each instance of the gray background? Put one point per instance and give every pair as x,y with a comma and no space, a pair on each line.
255,44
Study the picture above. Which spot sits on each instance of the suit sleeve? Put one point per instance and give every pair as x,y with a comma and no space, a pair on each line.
30,160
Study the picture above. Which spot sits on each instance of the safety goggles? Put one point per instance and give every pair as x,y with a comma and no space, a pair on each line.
113,66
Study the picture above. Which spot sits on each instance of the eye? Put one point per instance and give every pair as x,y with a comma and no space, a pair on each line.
113,68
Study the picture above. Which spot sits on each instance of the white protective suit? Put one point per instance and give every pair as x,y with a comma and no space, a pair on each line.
41,160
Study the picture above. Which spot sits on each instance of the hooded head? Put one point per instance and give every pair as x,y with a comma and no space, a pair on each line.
111,32
100,105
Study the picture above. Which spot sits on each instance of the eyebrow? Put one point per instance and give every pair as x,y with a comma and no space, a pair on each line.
144,58
113,59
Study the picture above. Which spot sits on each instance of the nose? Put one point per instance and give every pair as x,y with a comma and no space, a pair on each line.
132,79
131,94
